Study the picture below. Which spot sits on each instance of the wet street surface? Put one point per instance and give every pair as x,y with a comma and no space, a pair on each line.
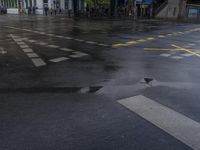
81,84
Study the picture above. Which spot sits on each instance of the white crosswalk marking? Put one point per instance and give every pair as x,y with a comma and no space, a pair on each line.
38,62
179,126
59,59
32,55
66,49
78,54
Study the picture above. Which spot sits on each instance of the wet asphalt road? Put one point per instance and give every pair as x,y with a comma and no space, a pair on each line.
61,78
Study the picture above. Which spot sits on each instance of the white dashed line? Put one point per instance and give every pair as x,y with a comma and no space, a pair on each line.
32,41
42,43
58,36
187,55
38,62
177,125
20,43
165,55
66,49
177,57
53,46
161,36
17,40
24,46
32,55
27,50
55,60
78,54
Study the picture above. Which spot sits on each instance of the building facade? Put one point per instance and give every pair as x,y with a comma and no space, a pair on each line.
22,6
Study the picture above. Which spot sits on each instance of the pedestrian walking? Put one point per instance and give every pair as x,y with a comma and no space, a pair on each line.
46,9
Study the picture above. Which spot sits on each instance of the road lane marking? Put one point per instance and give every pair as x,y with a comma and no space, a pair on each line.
74,54
187,55
141,40
177,125
163,49
55,60
2,51
32,55
161,36
24,46
59,36
66,49
27,50
115,45
187,50
165,55
78,54
38,62
53,46
176,57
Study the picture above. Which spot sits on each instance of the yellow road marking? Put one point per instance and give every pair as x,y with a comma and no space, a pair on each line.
132,42
119,45
187,50
163,49
141,40
152,38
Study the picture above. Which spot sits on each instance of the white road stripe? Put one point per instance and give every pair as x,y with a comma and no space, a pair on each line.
66,49
20,43
32,41
53,46
187,54
58,36
179,126
59,59
17,40
38,62
165,55
177,57
32,55
42,43
78,54
27,50
24,46
90,42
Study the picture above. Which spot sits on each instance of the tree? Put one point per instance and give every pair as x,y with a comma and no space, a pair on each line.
98,3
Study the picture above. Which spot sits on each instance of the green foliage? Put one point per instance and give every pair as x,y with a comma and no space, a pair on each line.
98,3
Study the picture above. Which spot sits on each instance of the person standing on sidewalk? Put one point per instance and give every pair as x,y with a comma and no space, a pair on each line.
46,9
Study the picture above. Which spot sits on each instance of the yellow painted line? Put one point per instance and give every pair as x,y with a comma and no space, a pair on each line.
152,38
141,40
163,49
187,50
118,45
132,42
